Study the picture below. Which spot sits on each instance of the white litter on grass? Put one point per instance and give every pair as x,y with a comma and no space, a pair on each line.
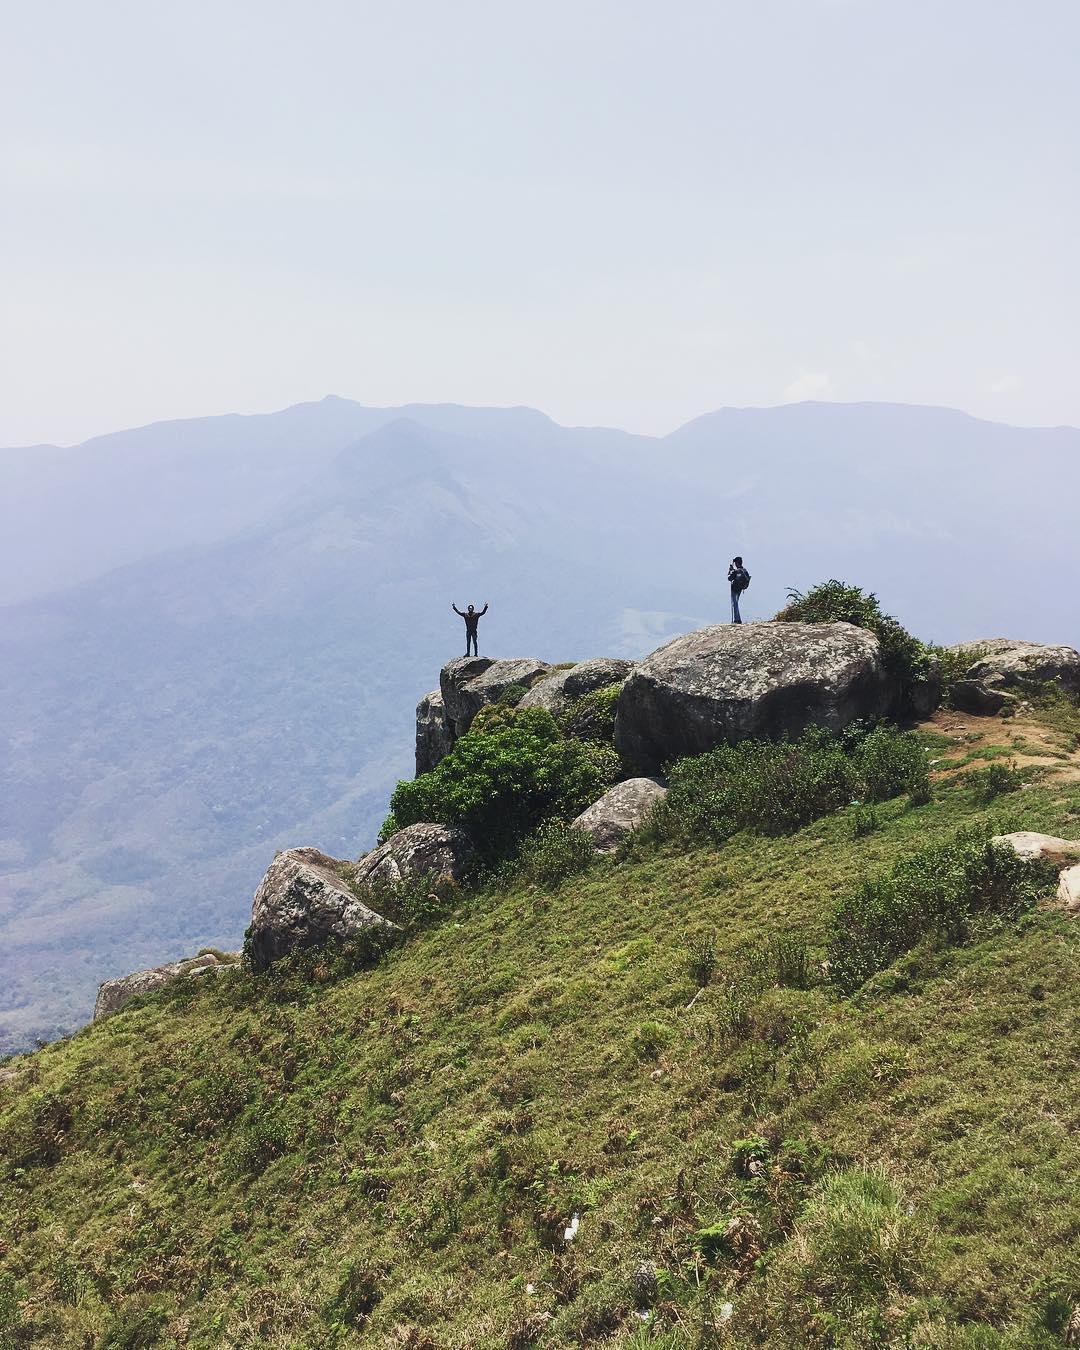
571,1228
530,1288
727,1312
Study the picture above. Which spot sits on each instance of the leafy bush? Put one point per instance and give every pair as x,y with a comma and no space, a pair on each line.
770,787
995,780
938,889
891,762
592,716
906,659
701,963
554,852
777,787
500,782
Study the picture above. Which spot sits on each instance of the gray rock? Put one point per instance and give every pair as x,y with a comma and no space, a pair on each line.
434,739
1069,890
619,811
1028,844
438,851
971,696
302,901
471,682
557,691
733,681
113,994
1005,664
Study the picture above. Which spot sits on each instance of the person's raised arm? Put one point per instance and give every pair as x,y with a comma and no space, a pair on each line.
484,610
456,610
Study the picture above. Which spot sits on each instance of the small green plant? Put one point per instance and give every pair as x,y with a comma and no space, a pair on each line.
650,1039
701,962
995,780
554,852
268,1136
939,889
864,820
890,763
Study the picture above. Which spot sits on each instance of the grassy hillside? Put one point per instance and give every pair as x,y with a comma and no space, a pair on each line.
392,1157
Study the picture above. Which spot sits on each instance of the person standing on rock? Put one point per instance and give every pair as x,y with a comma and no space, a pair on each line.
472,619
740,579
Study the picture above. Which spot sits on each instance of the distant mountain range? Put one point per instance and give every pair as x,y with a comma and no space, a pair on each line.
215,630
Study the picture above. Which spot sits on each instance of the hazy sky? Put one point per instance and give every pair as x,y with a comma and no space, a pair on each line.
620,212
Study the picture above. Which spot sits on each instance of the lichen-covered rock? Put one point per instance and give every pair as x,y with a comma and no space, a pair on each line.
733,681
972,696
1005,664
472,682
1069,890
619,811
434,738
113,994
563,687
437,851
303,901
1028,844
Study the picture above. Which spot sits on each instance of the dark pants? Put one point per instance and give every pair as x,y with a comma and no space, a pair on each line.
736,617
470,641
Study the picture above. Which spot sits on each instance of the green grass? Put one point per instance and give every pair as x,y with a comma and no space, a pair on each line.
390,1157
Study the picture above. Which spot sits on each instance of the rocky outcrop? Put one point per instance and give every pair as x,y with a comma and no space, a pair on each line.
471,682
434,738
303,901
733,681
619,811
557,691
434,851
113,994
1003,668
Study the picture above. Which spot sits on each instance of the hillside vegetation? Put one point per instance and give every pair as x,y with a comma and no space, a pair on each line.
631,1107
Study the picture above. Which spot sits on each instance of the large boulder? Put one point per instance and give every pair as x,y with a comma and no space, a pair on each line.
437,851
434,738
557,691
730,682
113,994
619,811
303,901
472,682
1001,667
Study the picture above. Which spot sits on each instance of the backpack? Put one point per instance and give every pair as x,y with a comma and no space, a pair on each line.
744,580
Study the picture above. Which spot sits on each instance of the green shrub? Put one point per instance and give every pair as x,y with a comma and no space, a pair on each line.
650,1039
994,780
263,1139
890,763
500,783
770,787
592,716
906,659
937,890
864,820
701,962
553,852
